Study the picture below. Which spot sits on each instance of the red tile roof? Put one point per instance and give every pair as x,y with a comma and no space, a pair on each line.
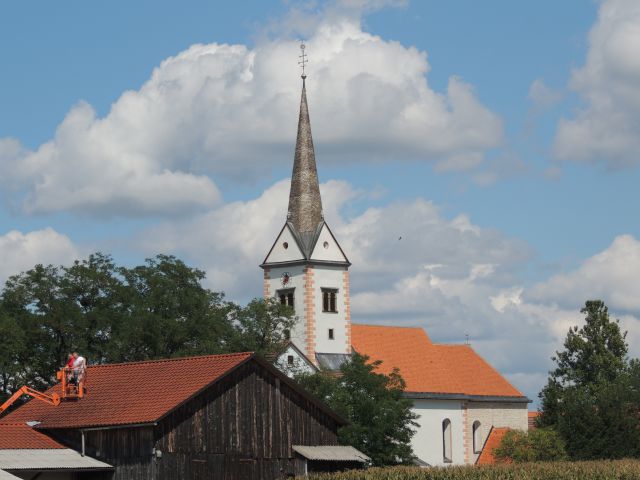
493,441
428,367
129,393
531,417
22,436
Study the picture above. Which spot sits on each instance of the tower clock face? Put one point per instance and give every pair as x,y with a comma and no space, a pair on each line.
284,279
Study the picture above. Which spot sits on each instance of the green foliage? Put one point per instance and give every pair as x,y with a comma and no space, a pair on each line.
592,397
112,314
602,470
538,445
380,418
261,326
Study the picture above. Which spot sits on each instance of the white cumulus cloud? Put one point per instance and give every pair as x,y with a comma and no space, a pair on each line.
230,111
21,251
607,129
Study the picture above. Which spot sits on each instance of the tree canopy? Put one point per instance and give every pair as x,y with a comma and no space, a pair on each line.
592,397
113,313
381,420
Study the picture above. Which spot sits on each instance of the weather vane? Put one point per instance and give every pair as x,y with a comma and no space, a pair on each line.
303,59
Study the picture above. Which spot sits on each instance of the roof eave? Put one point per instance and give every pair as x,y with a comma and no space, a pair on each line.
464,396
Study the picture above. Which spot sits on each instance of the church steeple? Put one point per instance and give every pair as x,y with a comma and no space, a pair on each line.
305,204
305,267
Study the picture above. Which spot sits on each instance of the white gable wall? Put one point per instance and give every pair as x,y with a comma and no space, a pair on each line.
327,247
281,254
300,365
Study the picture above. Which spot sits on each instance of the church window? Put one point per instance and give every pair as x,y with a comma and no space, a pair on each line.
329,303
290,360
477,437
285,245
446,441
286,297
331,334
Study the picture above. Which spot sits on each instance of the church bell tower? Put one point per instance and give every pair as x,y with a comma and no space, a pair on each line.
306,268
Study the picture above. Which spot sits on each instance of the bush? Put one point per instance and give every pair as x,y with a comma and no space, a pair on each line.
539,445
595,470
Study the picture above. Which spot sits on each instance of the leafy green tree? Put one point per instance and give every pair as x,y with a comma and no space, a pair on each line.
262,326
13,343
591,397
169,313
538,445
381,420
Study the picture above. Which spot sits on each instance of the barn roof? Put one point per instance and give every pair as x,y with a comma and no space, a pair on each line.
142,392
429,368
130,393
23,436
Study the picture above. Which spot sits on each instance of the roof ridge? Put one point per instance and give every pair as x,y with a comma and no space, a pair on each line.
175,359
386,326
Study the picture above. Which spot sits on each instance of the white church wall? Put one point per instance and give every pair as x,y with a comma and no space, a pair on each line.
427,442
328,276
298,366
296,281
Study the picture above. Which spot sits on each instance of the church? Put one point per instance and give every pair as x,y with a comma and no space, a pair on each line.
459,398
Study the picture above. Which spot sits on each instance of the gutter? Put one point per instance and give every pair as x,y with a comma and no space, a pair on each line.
463,396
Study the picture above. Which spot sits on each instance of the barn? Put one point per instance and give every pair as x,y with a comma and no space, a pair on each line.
216,416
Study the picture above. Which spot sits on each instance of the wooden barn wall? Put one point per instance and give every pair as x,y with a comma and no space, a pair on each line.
242,427
129,450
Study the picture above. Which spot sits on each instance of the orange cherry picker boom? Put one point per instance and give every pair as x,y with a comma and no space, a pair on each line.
72,388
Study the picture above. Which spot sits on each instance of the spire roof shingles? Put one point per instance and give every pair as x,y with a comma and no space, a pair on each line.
305,204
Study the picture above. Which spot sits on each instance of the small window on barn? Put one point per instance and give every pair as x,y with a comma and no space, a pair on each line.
331,334
329,300
289,359
446,441
477,437
286,297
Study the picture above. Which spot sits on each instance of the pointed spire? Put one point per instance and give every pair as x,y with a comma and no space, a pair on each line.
305,204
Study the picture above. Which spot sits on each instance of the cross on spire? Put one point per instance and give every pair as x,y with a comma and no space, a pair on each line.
303,59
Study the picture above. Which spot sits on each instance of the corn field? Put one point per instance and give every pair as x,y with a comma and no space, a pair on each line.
600,470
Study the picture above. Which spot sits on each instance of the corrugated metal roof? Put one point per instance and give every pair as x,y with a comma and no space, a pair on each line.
332,361
7,476
334,453
41,459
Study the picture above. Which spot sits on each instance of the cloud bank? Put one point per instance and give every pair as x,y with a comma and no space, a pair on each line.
230,111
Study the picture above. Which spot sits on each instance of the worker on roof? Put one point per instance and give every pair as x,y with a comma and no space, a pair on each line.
68,368
79,367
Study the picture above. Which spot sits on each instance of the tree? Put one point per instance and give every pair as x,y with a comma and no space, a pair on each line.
591,397
381,420
538,445
262,326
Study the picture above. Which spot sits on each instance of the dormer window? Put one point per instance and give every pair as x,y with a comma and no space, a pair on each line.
329,300
286,297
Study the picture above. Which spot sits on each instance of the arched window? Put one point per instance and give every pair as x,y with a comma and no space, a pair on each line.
477,437
446,441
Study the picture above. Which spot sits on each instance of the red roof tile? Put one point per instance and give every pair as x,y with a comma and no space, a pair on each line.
531,417
427,367
493,441
22,436
128,393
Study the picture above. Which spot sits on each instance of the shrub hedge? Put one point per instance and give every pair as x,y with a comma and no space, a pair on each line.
595,470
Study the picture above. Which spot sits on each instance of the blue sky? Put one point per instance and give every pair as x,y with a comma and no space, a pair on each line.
535,155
